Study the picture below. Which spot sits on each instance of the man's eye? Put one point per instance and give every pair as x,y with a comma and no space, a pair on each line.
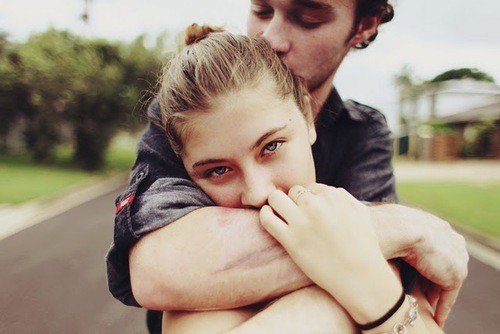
217,172
262,12
272,147
306,21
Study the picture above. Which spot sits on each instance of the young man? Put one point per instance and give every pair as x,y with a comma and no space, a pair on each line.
219,258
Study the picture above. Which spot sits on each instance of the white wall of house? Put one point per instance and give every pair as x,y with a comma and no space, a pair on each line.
456,96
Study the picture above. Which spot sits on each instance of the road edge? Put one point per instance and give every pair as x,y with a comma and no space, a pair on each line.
16,218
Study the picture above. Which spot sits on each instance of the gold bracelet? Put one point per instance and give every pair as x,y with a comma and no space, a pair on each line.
411,317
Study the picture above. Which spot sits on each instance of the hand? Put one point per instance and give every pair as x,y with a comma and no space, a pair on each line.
441,257
430,245
330,236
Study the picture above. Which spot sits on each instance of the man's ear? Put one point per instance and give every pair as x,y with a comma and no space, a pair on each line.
311,128
365,29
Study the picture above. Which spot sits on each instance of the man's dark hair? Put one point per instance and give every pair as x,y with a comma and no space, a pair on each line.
369,8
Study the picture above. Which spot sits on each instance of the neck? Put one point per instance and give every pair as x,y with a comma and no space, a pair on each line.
319,96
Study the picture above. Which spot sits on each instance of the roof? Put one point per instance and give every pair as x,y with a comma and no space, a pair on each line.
489,111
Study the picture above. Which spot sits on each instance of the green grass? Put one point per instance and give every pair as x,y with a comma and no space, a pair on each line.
474,206
22,180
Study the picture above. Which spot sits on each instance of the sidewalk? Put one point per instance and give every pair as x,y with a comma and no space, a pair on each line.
467,171
15,218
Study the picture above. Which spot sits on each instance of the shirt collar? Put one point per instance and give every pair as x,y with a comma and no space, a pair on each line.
331,110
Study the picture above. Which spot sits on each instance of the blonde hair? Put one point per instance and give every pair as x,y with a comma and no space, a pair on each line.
214,63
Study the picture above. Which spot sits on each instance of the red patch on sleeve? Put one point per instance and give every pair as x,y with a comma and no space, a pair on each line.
124,202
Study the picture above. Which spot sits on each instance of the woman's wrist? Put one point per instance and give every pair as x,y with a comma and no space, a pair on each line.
404,318
376,323
373,292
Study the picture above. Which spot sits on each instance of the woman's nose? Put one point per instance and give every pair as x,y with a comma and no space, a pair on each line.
257,190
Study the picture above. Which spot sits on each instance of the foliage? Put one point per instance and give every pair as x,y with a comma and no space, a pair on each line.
443,128
408,85
477,137
69,88
12,92
463,73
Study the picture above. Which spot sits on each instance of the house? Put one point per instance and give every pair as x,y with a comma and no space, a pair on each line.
452,120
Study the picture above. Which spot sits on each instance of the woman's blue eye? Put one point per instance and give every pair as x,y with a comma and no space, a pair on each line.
272,146
218,171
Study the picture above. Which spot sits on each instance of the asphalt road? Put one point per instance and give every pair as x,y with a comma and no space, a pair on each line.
53,276
52,280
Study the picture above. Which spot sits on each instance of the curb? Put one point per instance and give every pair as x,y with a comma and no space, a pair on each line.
480,237
15,218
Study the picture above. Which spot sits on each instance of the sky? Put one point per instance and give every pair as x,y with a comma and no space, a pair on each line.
429,36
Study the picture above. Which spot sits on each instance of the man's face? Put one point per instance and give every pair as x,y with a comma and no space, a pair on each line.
311,36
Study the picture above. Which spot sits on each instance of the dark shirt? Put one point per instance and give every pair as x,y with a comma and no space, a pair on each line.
353,151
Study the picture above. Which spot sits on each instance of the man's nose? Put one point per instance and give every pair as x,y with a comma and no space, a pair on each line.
276,33
257,189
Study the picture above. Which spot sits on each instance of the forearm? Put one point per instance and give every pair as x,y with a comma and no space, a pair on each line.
397,229
411,233
430,245
212,258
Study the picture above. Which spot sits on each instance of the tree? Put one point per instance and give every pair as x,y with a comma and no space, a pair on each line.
8,74
409,89
45,72
88,87
463,73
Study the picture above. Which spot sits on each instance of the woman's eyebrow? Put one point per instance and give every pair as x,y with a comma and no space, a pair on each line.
267,135
206,162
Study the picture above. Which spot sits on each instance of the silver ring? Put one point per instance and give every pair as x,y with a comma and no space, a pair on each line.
300,193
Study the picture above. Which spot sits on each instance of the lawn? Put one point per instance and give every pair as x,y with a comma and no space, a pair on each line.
21,180
474,206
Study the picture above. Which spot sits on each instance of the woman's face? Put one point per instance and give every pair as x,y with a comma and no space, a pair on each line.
250,143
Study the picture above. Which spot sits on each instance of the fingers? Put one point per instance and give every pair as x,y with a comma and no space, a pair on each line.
299,194
283,210
433,294
445,303
273,224
284,206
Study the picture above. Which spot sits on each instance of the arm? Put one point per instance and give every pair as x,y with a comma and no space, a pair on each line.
310,309
332,239
430,245
212,258
255,268
424,241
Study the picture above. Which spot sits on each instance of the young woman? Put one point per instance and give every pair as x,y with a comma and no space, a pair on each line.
242,125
